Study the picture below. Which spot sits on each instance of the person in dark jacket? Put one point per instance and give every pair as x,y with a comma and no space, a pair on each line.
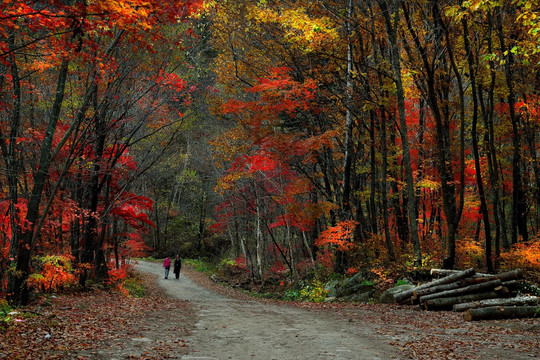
177,266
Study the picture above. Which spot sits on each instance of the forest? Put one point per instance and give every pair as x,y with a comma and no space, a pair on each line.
283,138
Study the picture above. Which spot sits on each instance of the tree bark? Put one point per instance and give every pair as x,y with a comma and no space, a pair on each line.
517,301
519,201
502,312
476,153
448,302
348,159
445,280
392,23
450,286
18,289
488,285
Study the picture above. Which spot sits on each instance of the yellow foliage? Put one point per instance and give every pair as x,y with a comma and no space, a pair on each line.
300,28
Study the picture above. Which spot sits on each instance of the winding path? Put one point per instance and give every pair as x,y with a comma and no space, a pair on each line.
237,329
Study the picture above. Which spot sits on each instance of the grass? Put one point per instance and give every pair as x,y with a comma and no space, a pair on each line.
201,266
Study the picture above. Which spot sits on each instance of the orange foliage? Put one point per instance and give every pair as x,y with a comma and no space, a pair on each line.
525,255
55,272
469,254
351,271
339,236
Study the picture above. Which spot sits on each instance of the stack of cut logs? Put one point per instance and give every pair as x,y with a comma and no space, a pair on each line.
480,296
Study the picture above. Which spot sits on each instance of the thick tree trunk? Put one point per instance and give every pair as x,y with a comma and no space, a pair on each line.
517,301
448,302
451,286
446,272
485,286
505,276
502,312
445,280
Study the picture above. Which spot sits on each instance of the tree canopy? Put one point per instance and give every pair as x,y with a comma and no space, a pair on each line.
291,136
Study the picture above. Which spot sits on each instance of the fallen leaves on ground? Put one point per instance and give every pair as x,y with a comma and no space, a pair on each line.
99,324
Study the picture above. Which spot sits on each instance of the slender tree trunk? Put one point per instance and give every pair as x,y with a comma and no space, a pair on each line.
18,289
384,193
12,168
476,154
519,201
444,159
392,23
487,115
346,199
374,178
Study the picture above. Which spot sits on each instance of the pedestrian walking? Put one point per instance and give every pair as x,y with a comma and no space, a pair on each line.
177,266
167,266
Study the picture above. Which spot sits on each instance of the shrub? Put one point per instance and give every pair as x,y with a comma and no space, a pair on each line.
313,291
233,267
54,272
134,287
5,309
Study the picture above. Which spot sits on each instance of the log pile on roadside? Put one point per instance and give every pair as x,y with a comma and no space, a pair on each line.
479,296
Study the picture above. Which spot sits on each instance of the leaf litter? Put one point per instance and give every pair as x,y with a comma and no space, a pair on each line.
101,324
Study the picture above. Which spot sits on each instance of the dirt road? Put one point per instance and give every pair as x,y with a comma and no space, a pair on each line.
245,329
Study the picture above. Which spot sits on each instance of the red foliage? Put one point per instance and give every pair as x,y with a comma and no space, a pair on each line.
339,237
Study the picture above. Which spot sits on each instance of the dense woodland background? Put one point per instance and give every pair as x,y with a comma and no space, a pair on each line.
284,137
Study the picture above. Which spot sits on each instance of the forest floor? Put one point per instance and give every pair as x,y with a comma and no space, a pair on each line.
100,325
194,318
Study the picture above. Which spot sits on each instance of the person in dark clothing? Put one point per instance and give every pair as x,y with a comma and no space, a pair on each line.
177,266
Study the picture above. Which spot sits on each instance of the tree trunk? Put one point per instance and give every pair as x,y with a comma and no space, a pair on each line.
445,280
508,275
18,290
517,301
450,286
346,198
519,201
12,167
384,192
448,302
488,285
392,24
502,312
479,181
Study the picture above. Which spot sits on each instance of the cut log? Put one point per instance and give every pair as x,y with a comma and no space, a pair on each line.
517,301
446,272
482,287
447,302
409,301
454,285
508,275
502,312
512,284
445,280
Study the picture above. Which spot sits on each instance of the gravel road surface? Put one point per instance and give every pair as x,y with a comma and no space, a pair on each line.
230,328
